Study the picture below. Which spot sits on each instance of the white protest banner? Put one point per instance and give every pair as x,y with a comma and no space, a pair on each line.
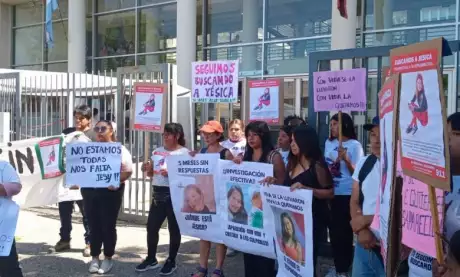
215,82
93,164
192,182
290,215
35,192
242,209
9,212
50,157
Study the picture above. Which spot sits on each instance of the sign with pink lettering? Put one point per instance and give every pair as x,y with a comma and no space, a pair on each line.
343,90
215,82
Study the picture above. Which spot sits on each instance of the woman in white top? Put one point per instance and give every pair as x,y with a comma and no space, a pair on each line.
103,204
342,158
236,141
161,207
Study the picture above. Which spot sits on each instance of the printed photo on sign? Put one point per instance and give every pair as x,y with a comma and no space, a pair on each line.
149,102
159,162
245,205
264,101
290,234
421,123
386,148
93,164
199,196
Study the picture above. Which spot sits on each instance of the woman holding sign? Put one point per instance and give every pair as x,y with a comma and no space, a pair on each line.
161,207
212,133
342,152
103,204
260,149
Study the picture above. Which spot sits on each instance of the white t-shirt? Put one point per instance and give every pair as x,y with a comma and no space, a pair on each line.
159,162
420,265
8,174
236,148
126,160
369,187
342,179
284,155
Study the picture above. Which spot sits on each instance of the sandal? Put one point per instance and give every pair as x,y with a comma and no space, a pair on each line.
200,271
218,272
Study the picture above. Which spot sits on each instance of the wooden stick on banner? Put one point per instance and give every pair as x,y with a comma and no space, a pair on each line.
340,129
436,228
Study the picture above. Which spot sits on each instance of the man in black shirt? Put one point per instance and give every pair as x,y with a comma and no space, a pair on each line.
82,117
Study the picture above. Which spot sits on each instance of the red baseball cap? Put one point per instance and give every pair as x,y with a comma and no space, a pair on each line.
212,126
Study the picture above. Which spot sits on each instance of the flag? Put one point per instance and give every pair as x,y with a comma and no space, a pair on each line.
342,7
51,6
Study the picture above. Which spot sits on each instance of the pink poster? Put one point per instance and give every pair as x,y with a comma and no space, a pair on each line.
343,90
417,224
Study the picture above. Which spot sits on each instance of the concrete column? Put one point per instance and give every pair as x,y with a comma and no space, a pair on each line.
250,32
383,19
6,52
152,39
343,31
186,54
77,36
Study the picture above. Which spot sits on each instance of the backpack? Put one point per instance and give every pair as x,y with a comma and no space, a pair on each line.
365,170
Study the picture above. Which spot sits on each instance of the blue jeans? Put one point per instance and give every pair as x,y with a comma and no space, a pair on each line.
366,263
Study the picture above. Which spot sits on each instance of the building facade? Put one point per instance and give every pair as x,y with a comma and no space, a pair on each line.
270,38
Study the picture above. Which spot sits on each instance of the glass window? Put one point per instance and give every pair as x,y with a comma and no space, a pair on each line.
292,57
30,13
234,21
250,58
148,2
115,34
298,18
63,10
387,14
56,67
157,28
156,59
59,51
28,45
111,5
29,67
114,63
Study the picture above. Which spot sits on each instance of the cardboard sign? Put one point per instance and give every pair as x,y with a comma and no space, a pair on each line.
422,113
215,82
150,101
266,101
343,90
93,164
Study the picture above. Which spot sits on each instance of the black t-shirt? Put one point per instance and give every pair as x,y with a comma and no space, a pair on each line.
89,133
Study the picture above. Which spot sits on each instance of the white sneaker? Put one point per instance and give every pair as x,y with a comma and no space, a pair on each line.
94,266
106,266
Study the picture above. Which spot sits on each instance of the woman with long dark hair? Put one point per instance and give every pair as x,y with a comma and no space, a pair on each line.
212,132
290,244
236,211
418,106
260,149
161,207
342,157
103,204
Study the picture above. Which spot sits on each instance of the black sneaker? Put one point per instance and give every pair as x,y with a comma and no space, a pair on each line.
147,264
168,268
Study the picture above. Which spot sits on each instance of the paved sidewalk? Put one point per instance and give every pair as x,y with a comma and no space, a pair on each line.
38,230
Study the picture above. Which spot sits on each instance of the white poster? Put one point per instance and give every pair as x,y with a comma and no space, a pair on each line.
9,212
149,101
35,191
290,214
193,182
93,164
242,208
264,102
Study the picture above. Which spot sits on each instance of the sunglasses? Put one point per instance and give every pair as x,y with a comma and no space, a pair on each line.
100,129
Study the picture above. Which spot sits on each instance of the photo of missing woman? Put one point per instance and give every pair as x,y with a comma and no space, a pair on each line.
290,233
264,100
418,106
199,197
236,206
51,157
149,105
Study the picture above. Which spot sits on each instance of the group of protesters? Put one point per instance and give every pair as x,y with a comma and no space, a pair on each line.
344,182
